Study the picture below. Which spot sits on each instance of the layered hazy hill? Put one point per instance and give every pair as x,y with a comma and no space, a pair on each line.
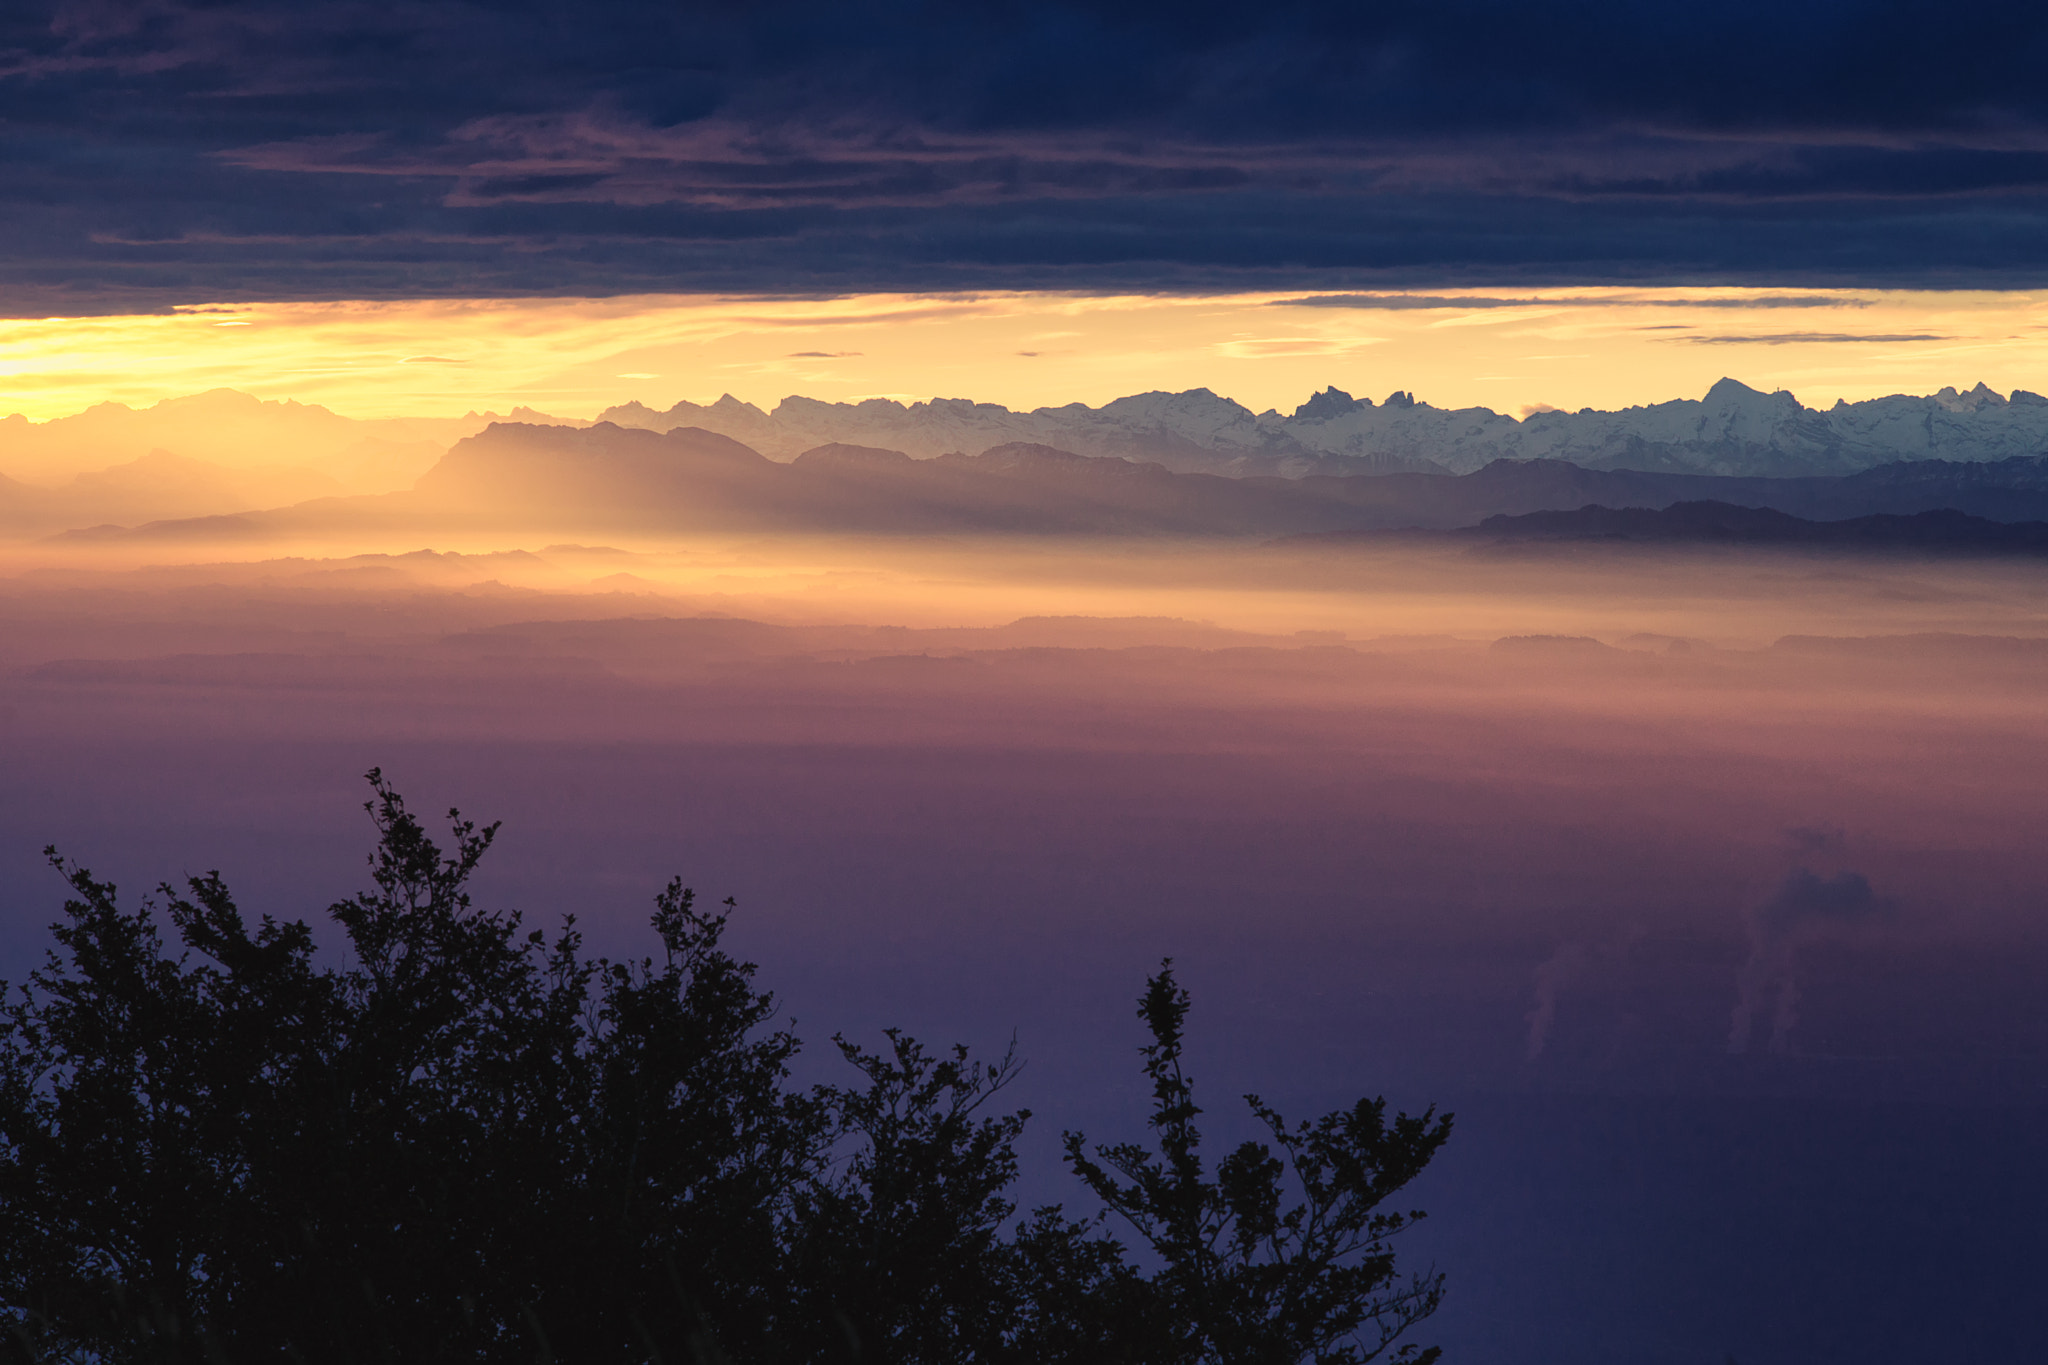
1720,523
1733,430
689,478
212,463
603,478
216,452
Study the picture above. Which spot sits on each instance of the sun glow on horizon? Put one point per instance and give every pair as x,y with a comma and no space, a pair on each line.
1510,351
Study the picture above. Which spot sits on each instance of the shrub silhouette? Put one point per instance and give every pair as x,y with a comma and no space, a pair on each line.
472,1142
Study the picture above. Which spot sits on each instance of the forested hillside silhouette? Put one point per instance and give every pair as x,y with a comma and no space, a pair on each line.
463,1139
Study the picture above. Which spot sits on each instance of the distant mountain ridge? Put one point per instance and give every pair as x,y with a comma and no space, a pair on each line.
234,432
1734,430
531,477
1718,523
218,452
692,479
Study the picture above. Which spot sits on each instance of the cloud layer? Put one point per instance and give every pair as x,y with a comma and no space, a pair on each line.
165,150
1805,905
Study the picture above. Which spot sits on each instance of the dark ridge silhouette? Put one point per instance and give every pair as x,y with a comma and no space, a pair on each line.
1945,649
2015,489
1720,523
691,480
1544,646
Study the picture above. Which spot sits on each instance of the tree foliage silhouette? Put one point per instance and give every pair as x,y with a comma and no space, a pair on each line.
471,1141
1245,1279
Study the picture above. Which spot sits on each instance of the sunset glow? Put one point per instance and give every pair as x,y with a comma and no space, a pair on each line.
1507,350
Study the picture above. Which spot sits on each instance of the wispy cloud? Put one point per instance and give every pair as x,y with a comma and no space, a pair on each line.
1552,976
1807,338
1455,302
1253,348
1805,905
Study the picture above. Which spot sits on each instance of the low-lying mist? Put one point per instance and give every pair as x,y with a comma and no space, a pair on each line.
1507,827
1615,754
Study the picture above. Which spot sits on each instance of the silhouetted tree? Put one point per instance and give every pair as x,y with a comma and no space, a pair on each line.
469,1141
1248,1278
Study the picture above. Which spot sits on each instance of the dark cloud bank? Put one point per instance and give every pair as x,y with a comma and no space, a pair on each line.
168,151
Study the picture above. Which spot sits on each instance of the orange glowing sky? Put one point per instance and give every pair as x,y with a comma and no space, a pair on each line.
1570,348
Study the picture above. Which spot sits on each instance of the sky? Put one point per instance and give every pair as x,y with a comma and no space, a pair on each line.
1165,171
162,150
1512,351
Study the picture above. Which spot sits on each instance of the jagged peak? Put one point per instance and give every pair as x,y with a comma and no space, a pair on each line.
1729,394
220,398
1982,396
1331,402
961,405
795,403
1184,398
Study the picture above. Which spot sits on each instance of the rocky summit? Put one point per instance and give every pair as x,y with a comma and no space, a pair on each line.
1733,429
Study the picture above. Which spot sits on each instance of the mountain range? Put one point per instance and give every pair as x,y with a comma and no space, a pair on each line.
1718,523
604,478
697,479
314,468
216,452
1732,430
